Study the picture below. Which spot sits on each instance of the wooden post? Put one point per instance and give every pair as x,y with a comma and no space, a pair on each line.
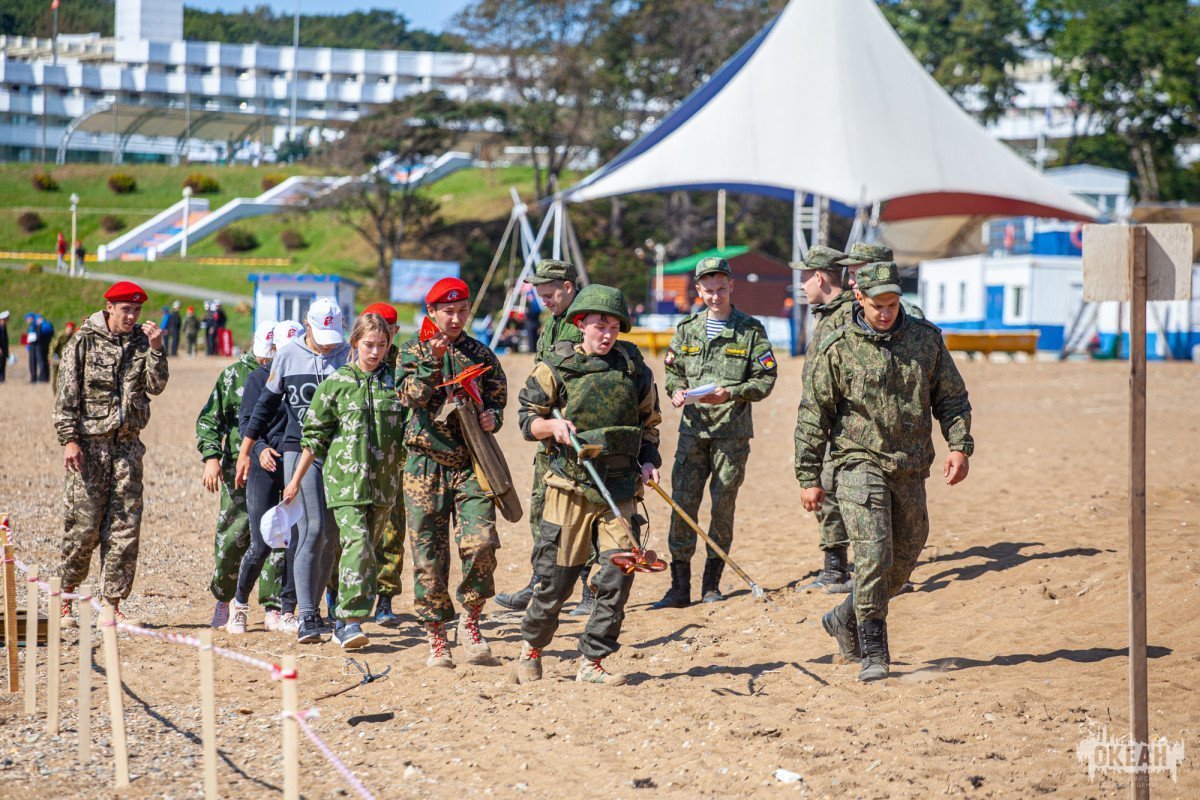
1139,788
31,634
116,704
53,656
720,219
84,702
10,619
291,731
208,714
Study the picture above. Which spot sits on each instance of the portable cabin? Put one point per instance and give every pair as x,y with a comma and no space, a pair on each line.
282,295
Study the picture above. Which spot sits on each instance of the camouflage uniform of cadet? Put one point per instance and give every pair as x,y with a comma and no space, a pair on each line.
869,399
440,483
102,405
354,423
389,548
217,436
613,403
57,344
714,440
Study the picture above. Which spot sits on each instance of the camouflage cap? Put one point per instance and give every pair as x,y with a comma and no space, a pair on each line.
711,264
596,298
880,277
820,257
863,253
550,269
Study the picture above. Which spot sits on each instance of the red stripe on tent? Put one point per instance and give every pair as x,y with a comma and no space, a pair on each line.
963,204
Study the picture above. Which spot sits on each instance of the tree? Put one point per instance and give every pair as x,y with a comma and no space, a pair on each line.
966,45
1130,67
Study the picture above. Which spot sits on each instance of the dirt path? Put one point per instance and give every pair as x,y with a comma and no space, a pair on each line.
1009,653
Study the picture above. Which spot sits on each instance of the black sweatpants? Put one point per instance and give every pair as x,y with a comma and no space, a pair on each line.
264,490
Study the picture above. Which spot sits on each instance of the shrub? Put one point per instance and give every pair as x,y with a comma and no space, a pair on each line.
202,184
292,240
272,179
33,268
236,240
122,183
112,224
44,182
31,221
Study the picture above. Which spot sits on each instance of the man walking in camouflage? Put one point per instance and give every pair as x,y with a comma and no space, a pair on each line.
868,398
109,370
729,350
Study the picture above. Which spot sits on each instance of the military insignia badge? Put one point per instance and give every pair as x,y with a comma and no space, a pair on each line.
767,360
670,357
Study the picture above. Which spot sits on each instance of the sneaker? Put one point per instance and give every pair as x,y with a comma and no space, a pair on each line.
289,623
439,648
478,650
529,664
273,620
67,618
309,629
592,671
238,619
349,635
220,615
383,612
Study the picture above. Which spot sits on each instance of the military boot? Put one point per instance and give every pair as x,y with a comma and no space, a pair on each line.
840,623
680,593
529,664
710,585
834,577
592,671
469,635
588,601
519,600
68,610
872,639
439,648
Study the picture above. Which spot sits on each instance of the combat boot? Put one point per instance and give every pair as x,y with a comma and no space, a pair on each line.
840,623
119,615
439,648
592,671
478,650
872,639
519,600
834,577
680,593
529,664
588,601
710,584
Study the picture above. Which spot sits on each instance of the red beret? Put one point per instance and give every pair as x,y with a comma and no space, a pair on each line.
448,290
384,310
125,292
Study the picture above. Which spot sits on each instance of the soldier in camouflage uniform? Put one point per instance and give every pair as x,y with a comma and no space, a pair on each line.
218,440
555,283
861,254
729,349
608,399
439,481
108,371
869,397
354,423
57,345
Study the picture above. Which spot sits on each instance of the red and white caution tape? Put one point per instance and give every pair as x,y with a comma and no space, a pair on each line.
354,782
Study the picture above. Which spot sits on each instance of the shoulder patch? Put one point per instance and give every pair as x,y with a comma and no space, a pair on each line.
767,360
670,357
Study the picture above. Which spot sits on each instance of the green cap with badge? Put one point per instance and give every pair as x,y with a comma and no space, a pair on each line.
711,264
820,257
551,269
864,253
880,277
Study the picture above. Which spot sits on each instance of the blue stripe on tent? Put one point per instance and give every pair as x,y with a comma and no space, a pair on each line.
690,106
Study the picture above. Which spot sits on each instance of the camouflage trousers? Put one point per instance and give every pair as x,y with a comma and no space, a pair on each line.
572,529
389,553
434,496
537,499
829,515
887,522
103,506
230,542
360,530
696,461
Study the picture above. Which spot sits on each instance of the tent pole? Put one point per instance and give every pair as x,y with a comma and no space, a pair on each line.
720,219
526,269
799,250
575,249
818,202
487,279
556,245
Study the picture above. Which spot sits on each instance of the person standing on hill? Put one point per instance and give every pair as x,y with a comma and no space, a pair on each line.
190,328
3,344
57,344
173,325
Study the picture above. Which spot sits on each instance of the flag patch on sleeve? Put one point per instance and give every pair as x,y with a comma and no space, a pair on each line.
767,360
670,357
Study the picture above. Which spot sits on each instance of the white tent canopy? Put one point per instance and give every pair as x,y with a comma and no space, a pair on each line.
827,100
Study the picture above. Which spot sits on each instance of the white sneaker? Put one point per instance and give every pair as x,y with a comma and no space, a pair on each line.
220,615
289,623
238,619
273,620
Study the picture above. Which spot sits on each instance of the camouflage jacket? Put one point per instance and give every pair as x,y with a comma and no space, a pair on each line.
355,422
217,434
870,397
59,343
825,314
440,439
557,329
105,381
739,359
841,314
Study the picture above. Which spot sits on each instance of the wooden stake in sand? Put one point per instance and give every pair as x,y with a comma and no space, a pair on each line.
53,656
291,731
31,633
116,704
84,701
208,714
10,619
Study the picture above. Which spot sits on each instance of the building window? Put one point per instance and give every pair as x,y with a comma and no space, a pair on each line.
941,298
1018,300
962,297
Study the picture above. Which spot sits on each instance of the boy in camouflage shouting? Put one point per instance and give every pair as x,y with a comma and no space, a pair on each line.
439,480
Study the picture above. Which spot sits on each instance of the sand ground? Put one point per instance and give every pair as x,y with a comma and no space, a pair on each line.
1007,655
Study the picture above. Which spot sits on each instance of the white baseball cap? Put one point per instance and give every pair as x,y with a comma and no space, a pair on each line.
264,338
286,331
325,319
4,314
